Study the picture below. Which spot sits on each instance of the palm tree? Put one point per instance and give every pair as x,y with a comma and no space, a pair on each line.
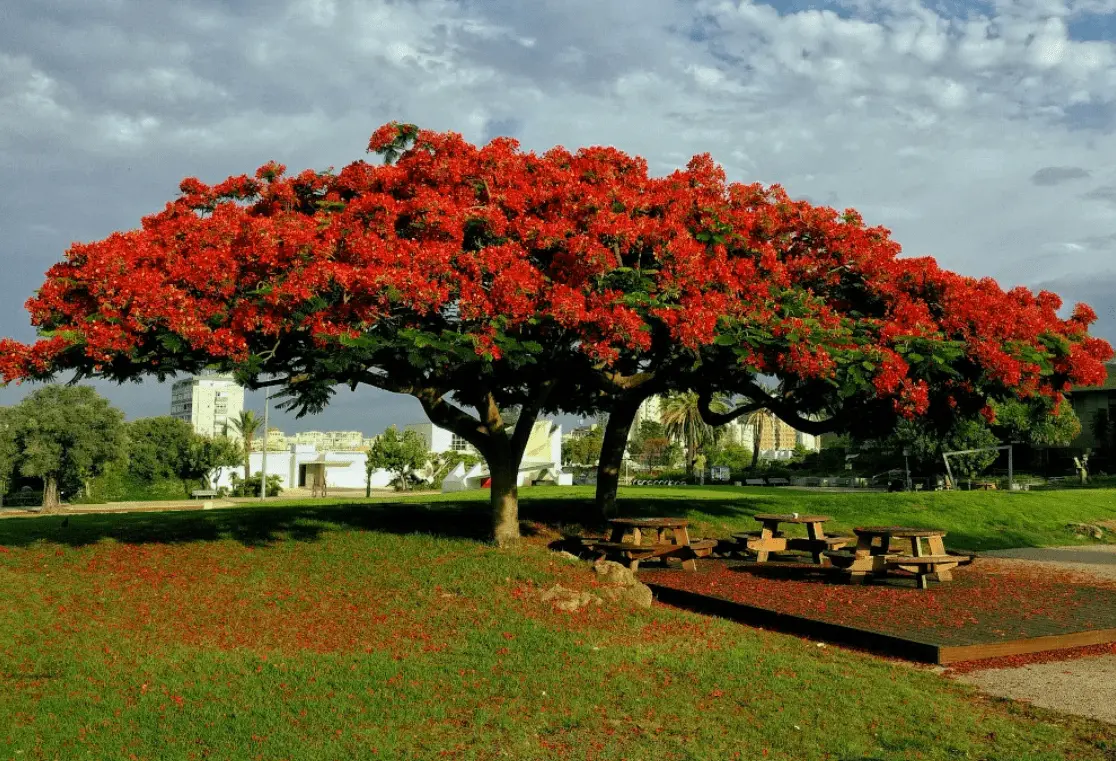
247,424
681,417
757,420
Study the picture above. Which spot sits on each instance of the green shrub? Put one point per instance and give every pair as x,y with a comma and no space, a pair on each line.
250,487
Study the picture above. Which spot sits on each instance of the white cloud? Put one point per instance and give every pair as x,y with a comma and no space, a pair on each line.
955,129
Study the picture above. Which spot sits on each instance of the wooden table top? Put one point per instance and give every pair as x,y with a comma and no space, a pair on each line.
789,518
651,522
899,531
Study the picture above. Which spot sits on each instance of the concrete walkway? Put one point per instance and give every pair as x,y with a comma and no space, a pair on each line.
1081,686
1094,559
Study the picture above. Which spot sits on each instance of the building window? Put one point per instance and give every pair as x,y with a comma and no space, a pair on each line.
459,444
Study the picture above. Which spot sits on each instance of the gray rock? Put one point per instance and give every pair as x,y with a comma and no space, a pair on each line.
622,585
568,600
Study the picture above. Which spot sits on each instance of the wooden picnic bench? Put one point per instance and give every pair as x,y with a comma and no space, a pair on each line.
770,539
873,554
755,482
626,542
778,482
203,493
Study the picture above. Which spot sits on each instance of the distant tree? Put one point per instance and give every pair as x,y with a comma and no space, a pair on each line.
206,457
7,451
733,456
157,447
441,464
927,446
401,454
583,448
246,425
161,448
682,419
65,435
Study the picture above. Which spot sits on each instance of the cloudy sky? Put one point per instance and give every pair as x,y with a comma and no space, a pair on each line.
980,132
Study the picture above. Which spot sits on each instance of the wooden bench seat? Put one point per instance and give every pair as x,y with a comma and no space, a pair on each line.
840,558
633,553
746,535
924,560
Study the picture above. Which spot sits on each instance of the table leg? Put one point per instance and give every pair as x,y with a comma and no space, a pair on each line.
659,534
815,532
937,547
682,539
617,535
766,533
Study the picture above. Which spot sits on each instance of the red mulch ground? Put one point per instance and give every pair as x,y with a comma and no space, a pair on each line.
987,601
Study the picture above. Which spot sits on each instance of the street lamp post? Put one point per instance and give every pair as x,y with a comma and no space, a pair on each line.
263,459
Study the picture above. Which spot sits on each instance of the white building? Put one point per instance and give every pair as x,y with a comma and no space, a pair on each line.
440,440
542,459
208,402
339,441
291,467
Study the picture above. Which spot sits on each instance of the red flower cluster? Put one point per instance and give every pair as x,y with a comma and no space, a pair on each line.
508,250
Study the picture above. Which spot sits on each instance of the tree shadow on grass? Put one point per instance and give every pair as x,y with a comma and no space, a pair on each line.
260,526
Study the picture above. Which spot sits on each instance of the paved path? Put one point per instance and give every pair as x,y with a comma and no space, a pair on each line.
1083,687
1096,559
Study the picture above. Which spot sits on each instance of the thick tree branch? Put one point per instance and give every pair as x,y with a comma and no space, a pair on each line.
781,407
705,400
446,415
528,415
617,381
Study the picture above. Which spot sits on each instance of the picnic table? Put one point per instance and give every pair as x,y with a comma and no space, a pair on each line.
874,555
770,539
626,542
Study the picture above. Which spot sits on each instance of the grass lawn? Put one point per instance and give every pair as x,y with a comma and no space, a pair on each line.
387,631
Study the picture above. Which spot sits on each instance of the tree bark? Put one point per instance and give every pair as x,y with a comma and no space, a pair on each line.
757,439
620,419
52,503
502,449
504,475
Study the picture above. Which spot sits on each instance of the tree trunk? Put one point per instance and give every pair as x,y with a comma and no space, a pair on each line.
51,501
247,457
505,499
620,420
757,440
368,485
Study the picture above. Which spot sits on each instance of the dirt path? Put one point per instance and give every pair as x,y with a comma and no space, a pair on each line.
1095,559
1083,687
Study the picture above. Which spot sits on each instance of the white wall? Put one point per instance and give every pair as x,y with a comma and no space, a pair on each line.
285,465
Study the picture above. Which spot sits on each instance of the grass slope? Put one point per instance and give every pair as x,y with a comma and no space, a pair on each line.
976,520
387,631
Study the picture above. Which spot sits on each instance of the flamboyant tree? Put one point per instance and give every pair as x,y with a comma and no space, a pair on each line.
475,279
857,338
481,280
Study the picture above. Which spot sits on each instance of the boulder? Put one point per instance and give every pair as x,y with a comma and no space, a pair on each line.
568,600
619,584
1088,529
